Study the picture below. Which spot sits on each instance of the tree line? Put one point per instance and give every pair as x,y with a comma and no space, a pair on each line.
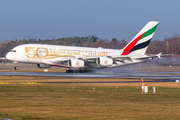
167,46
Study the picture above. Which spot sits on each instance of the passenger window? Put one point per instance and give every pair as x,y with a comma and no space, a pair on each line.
13,51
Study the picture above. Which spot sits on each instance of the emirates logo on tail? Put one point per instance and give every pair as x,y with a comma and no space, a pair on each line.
127,50
141,41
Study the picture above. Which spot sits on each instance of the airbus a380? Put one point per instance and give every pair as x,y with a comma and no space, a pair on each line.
84,59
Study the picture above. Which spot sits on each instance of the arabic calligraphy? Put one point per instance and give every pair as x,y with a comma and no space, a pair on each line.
50,53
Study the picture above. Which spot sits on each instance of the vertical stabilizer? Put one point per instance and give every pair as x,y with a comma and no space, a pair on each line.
140,42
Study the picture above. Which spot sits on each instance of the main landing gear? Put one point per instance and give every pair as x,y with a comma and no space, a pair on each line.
79,71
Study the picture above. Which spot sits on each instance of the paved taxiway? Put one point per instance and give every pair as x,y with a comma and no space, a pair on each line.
146,75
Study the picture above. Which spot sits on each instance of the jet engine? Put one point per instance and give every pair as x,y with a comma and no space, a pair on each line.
104,61
75,63
43,66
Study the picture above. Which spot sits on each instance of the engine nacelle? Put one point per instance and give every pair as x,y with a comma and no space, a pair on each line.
104,61
43,66
75,63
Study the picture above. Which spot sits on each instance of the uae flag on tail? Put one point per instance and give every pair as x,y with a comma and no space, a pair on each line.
141,41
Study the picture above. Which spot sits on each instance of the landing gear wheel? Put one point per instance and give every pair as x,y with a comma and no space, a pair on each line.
16,68
15,65
81,71
69,71
76,71
85,71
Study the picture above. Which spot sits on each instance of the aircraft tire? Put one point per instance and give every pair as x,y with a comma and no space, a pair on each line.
81,71
69,71
76,71
16,68
85,71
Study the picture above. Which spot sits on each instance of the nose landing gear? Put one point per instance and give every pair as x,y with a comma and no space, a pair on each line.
16,66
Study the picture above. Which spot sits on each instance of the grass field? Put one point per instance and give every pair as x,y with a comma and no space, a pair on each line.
23,98
80,101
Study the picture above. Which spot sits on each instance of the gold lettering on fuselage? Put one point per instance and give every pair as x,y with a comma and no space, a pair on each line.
30,52
41,53
50,53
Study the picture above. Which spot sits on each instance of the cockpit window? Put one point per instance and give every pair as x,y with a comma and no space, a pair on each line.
13,51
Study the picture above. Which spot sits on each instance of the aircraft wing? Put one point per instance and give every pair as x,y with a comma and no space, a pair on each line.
91,61
120,58
3,58
130,58
150,56
59,61
163,55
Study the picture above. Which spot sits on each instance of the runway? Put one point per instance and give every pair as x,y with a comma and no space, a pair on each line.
133,75
108,82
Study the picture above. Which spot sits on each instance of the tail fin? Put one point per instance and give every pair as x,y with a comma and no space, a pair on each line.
140,42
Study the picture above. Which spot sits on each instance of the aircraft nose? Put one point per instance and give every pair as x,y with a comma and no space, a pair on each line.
8,56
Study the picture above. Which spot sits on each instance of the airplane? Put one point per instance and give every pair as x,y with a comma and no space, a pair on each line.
85,59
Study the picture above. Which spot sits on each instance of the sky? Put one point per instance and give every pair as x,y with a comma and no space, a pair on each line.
105,19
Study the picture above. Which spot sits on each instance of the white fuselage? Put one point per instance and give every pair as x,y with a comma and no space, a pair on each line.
37,53
54,54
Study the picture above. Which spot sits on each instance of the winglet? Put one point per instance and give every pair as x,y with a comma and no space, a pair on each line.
159,55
